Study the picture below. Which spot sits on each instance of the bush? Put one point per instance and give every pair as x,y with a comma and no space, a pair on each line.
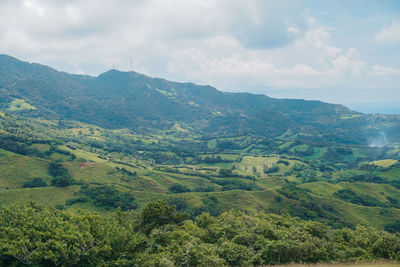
106,196
273,169
36,182
393,227
57,169
158,213
61,176
350,196
62,181
209,188
178,188
224,173
161,236
74,200
284,162
59,206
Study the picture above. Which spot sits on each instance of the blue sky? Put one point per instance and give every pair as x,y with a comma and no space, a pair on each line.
344,52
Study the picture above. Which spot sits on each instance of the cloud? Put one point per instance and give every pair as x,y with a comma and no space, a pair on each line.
265,24
106,31
255,45
390,34
315,63
382,70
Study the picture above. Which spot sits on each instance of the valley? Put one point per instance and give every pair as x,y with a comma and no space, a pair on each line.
116,144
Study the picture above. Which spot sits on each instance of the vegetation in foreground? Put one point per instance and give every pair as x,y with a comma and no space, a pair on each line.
159,236
349,264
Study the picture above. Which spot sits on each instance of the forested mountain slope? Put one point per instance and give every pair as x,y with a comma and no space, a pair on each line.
132,100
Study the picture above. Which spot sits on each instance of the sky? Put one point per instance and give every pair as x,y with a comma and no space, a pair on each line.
338,51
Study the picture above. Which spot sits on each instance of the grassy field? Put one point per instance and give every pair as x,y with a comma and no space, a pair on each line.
384,163
48,196
16,169
18,105
148,181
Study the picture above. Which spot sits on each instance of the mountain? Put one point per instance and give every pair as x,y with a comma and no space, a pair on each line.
132,100
124,141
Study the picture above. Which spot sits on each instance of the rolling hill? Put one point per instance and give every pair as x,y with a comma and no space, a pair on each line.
123,158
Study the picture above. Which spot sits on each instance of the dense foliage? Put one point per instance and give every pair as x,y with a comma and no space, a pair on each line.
178,188
132,100
36,182
204,152
159,236
108,197
351,196
61,176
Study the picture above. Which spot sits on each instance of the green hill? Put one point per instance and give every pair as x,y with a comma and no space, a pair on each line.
132,100
120,143
181,167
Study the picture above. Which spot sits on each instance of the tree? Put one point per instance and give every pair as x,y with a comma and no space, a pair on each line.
61,176
36,182
178,188
158,213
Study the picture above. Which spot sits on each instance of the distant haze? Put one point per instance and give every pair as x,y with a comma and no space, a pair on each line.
378,141
383,108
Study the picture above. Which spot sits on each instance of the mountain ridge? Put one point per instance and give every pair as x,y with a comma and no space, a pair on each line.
116,99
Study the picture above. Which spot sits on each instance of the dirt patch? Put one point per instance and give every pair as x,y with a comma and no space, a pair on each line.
83,165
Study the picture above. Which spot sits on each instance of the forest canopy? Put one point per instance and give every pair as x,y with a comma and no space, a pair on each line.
32,234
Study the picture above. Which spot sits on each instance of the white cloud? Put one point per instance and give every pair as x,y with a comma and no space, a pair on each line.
382,70
234,45
390,34
314,63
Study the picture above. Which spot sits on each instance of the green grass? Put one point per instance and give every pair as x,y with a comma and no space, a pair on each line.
152,183
48,196
322,188
286,144
378,191
384,163
299,148
319,152
358,152
376,217
391,174
212,143
41,147
79,153
222,165
248,163
19,105
353,116
59,156
357,214
223,156
106,173
16,169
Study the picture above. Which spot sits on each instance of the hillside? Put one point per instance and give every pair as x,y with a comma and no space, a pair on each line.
197,174
234,177
135,101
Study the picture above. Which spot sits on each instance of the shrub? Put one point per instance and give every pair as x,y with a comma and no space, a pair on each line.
106,196
273,169
284,162
61,176
178,188
393,227
36,182
208,188
350,196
